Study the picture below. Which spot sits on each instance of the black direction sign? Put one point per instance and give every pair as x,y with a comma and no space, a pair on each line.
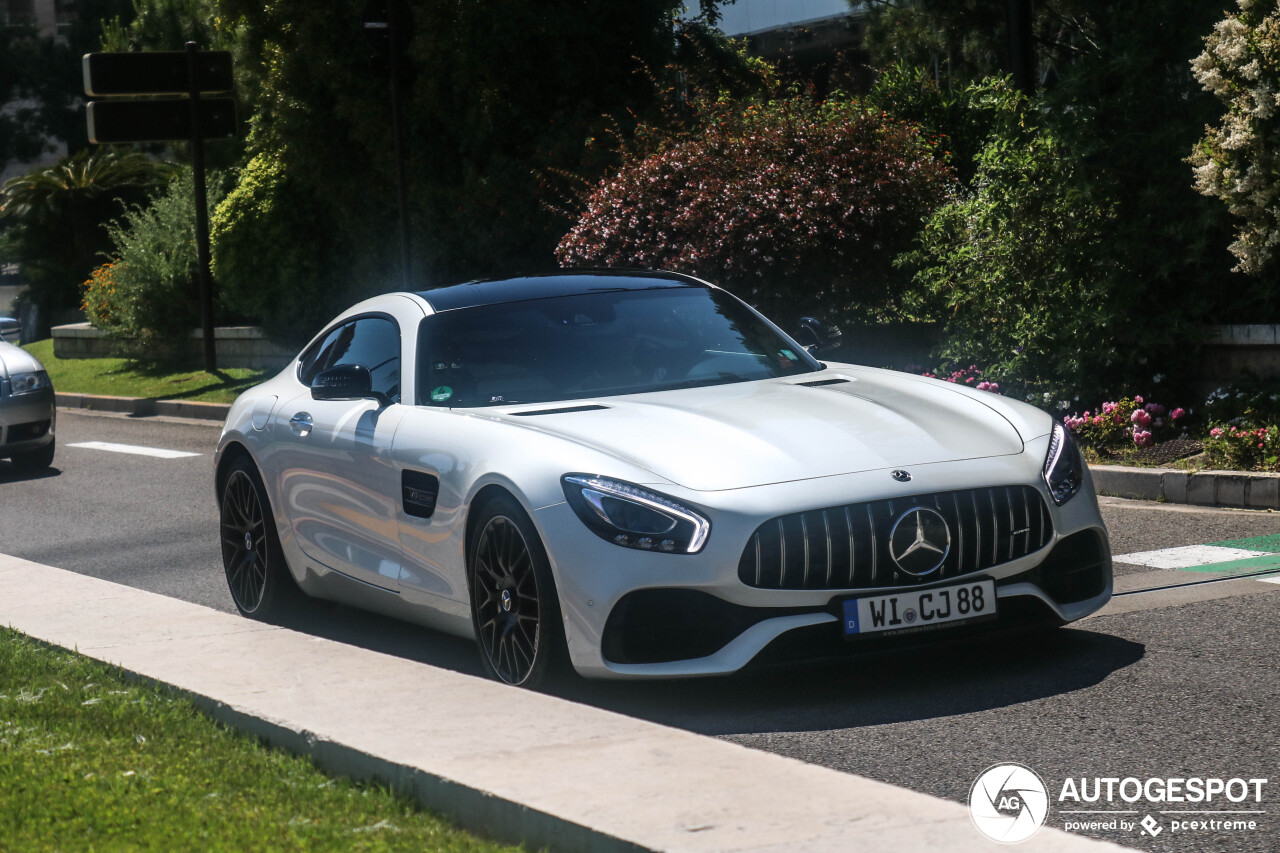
159,120
155,73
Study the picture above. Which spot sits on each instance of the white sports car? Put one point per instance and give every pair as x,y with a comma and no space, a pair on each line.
638,474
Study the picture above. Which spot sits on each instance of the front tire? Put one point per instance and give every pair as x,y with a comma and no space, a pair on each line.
34,460
257,574
514,607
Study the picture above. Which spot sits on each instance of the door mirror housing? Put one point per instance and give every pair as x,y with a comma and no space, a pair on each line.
816,335
346,382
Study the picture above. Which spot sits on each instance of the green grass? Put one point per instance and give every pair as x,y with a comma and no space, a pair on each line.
122,377
92,761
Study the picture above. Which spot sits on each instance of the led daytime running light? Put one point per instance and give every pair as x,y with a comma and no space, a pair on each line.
645,498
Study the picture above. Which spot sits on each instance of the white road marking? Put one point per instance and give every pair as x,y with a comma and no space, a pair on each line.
159,453
1272,579
1188,555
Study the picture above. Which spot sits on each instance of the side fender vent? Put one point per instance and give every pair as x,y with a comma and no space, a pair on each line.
419,491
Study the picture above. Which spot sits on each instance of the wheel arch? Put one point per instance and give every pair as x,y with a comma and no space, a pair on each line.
233,452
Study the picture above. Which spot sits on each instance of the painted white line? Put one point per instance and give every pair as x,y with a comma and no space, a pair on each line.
1188,555
1272,579
157,452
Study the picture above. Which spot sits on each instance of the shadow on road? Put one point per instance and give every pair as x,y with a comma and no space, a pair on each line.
10,473
893,687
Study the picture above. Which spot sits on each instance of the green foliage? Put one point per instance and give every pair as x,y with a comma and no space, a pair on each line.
498,95
57,216
1238,161
1243,448
797,205
149,293
92,760
1014,266
276,259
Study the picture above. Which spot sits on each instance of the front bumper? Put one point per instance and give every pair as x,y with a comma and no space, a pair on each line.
27,421
642,614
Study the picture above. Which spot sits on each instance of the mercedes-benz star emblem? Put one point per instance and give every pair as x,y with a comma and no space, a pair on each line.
901,476
920,541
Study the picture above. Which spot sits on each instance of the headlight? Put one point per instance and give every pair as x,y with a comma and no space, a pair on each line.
28,383
1063,467
633,517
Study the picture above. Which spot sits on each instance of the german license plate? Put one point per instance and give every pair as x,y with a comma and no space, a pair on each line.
919,610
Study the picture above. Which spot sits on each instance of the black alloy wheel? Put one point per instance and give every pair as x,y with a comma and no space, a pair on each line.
513,601
259,581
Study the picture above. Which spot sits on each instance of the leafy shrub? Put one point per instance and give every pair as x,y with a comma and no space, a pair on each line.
970,375
150,292
1239,160
792,203
1014,268
1125,423
1246,400
1243,448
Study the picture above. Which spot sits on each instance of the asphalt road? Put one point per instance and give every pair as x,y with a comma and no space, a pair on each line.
1175,683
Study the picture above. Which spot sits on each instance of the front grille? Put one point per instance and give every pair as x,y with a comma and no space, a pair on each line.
847,547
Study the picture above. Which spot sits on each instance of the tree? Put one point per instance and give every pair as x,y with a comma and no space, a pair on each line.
797,205
499,94
57,217
1238,161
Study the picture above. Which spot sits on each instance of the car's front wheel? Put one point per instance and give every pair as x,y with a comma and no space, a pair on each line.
34,460
514,607
257,574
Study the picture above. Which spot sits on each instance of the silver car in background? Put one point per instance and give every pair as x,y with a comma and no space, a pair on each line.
27,412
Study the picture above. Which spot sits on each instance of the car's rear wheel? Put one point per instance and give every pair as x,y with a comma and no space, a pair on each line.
514,607
34,460
257,574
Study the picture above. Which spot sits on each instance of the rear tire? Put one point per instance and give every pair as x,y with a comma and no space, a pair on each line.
514,607
34,460
257,574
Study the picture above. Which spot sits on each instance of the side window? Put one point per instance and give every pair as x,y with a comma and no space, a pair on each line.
373,342
316,358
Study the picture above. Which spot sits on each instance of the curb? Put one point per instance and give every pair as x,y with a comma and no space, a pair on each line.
143,406
511,764
1235,489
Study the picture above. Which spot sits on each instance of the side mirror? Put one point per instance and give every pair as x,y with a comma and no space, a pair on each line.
346,382
815,335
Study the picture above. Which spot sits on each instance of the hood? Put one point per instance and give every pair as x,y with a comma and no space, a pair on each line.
772,431
16,360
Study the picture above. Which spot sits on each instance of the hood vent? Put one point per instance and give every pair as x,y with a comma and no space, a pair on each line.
821,382
563,411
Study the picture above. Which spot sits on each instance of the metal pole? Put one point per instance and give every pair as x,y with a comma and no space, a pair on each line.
202,211
395,21
1021,52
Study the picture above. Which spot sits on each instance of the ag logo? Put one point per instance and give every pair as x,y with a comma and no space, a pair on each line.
1008,803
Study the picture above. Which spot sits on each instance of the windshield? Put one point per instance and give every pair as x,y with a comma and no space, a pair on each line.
598,345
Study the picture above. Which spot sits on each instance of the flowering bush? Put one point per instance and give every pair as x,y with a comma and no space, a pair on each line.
1128,422
1243,448
1246,400
970,375
793,203
1239,161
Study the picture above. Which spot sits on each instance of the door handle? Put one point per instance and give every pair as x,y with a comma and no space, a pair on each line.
301,423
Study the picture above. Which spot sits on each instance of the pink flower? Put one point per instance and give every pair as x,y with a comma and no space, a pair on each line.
1155,409
1108,408
1216,432
1176,413
1140,417
1142,438
1137,399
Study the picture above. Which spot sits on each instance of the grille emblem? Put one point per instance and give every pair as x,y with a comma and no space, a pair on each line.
920,541
901,476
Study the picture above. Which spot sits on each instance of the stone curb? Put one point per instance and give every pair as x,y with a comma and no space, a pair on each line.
513,764
1243,490
143,407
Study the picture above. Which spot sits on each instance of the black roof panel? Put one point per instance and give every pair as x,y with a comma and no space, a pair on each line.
568,283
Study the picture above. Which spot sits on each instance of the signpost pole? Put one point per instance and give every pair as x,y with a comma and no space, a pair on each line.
396,23
202,213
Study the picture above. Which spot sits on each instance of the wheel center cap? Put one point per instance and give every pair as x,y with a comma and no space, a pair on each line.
248,541
506,601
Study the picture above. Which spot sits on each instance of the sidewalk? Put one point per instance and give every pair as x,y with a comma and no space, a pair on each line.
509,763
